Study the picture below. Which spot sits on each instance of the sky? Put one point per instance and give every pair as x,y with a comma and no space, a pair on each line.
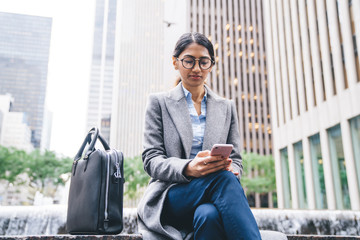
69,65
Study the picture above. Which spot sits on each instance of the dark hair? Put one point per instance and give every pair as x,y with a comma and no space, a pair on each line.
194,37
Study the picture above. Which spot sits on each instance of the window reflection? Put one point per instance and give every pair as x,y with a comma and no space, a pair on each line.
300,174
338,168
318,172
355,135
285,177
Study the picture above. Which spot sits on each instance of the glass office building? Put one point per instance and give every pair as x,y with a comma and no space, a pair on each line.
24,56
138,70
314,81
102,68
236,29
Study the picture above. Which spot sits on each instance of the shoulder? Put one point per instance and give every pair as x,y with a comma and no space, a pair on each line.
174,94
155,98
215,97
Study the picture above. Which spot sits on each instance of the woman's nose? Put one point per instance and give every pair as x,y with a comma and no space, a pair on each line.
196,67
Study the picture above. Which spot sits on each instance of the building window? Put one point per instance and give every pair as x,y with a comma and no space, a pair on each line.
300,174
318,172
338,168
285,177
355,135
356,50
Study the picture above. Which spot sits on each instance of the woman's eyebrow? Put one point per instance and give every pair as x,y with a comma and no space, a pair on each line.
188,55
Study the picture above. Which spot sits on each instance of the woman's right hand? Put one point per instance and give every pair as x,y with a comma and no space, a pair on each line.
204,164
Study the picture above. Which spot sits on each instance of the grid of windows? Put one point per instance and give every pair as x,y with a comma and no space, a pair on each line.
318,75
24,54
236,30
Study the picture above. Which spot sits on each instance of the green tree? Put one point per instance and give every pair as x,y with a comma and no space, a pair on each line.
264,165
35,168
12,164
135,176
45,167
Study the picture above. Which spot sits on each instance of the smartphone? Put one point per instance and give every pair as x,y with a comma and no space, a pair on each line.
223,150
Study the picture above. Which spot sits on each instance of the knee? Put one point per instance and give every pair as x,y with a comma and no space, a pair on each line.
226,177
205,214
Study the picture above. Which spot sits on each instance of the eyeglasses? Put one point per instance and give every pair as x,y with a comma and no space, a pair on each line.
189,62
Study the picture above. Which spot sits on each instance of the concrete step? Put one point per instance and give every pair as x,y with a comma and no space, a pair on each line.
139,237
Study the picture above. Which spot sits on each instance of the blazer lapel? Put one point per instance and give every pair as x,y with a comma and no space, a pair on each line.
178,110
215,119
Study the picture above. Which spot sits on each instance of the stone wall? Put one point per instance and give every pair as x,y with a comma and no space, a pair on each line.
50,220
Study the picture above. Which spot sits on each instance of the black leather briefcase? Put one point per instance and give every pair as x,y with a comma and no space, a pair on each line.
95,203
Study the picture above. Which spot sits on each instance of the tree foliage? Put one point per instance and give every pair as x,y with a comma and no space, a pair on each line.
264,167
35,168
12,162
135,176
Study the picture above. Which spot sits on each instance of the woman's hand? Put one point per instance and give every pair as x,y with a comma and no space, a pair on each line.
204,164
231,169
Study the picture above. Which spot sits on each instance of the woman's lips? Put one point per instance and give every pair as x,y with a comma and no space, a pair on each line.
196,77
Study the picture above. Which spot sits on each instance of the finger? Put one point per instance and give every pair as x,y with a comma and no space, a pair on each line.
203,153
217,164
213,168
208,171
215,159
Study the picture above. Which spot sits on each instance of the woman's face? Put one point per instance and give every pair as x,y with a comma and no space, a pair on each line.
195,76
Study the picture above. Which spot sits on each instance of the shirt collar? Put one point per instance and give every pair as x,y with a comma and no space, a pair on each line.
187,93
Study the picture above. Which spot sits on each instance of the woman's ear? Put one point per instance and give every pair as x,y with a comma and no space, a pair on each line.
175,62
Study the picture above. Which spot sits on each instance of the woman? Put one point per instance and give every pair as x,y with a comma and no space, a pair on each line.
192,194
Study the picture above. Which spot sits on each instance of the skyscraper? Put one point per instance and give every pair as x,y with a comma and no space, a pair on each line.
236,29
24,55
139,59
314,80
102,67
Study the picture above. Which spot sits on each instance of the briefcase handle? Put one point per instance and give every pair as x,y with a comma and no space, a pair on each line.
91,140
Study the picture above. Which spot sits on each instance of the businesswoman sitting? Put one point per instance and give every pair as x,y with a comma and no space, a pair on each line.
192,194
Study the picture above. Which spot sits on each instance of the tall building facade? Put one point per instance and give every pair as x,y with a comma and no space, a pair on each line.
236,30
102,67
139,70
14,130
24,55
314,80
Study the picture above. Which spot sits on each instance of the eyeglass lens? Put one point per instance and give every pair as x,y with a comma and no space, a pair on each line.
189,62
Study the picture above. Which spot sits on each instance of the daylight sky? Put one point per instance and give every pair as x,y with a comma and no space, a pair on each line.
69,65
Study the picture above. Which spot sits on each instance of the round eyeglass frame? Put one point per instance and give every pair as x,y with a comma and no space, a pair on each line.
196,59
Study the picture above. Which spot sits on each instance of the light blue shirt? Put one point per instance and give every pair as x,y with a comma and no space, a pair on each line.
197,122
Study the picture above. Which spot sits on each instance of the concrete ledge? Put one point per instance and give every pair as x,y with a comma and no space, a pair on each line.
319,237
139,237
76,237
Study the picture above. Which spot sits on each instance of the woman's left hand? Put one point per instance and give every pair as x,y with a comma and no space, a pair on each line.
231,169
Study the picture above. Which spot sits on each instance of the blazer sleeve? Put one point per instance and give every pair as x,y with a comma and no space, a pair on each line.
234,139
156,163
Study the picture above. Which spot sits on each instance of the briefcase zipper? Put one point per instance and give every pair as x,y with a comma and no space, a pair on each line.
107,187
117,174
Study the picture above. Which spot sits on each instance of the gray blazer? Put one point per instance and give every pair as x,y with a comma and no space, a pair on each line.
167,145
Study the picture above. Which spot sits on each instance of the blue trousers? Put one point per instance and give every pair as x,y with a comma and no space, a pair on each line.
214,207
